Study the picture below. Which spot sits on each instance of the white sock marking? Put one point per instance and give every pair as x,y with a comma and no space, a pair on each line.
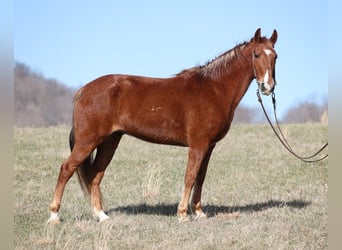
102,216
54,217
266,78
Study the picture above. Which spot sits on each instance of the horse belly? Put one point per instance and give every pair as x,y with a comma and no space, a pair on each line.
153,126
160,135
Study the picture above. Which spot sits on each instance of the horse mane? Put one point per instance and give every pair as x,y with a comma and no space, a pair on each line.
221,64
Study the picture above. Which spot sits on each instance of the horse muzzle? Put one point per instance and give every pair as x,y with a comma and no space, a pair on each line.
266,89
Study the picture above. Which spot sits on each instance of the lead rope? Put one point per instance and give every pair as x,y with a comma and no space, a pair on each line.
281,136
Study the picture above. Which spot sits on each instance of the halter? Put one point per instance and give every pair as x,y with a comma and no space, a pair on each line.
254,71
253,59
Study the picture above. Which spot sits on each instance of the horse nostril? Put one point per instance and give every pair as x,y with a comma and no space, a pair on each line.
263,87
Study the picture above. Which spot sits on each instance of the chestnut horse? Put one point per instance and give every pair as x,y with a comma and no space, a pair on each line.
194,109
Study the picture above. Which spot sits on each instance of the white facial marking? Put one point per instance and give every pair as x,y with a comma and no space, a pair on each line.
268,52
266,77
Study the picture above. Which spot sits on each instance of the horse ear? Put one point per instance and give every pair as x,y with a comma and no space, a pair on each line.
274,36
257,35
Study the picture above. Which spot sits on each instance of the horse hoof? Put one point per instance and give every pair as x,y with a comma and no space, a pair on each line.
200,216
183,219
53,221
54,218
104,218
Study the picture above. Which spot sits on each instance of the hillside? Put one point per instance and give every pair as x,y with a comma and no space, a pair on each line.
39,101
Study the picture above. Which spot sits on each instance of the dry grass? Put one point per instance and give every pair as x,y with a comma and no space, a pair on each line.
255,194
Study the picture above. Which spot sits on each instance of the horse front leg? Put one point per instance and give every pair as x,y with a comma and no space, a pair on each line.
196,206
195,160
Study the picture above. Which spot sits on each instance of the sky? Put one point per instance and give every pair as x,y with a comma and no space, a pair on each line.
75,42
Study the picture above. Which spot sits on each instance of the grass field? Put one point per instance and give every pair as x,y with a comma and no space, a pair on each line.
256,195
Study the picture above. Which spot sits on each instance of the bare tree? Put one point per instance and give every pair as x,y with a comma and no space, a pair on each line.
40,101
306,111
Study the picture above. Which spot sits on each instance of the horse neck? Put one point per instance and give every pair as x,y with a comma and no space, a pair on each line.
237,75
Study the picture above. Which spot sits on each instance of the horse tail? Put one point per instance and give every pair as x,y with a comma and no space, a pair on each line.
84,170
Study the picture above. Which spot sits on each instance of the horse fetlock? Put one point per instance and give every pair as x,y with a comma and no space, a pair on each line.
54,207
182,215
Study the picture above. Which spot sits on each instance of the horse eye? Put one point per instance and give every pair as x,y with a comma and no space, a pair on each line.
256,55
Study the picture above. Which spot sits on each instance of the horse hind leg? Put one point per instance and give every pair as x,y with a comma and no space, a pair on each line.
104,155
77,156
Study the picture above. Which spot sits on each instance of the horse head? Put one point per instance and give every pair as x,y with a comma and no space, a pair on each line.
264,59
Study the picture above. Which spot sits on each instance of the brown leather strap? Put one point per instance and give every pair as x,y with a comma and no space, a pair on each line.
281,136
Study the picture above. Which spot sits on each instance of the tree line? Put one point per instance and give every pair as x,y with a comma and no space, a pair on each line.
39,102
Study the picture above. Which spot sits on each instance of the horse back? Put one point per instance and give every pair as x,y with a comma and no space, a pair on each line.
160,110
